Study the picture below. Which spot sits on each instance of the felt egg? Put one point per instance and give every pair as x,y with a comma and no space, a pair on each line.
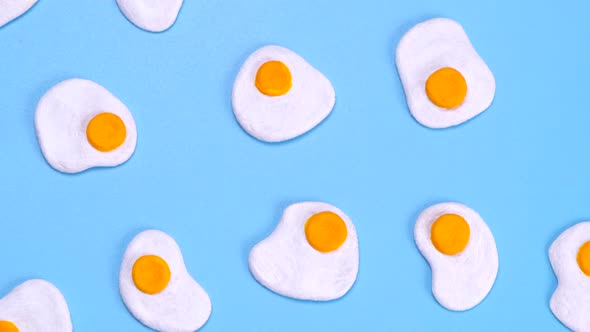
311,255
278,96
157,288
11,9
35,305
462,254
151,15
82,125
445,80
570,258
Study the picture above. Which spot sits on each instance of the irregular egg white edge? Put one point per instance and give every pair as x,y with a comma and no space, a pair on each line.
36,305
12,9
462,281
182,306
61,118
280,118
569,302
435,44
156,19
287,264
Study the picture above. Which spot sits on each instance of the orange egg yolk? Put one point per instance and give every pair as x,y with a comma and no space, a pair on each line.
6,326
446,88
326,231
106,132
450,234
274,79
151,274
583,258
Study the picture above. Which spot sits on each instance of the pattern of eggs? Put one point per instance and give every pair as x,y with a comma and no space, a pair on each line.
81,125
11,9
157,288
151,15
312,254
278,96
35,305
445,80
462,254
570,258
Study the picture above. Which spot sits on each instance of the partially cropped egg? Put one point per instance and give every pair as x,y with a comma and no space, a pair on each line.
445,80
278,96
82,125
157,288
151,15
462,254
311,255
11,9
35,305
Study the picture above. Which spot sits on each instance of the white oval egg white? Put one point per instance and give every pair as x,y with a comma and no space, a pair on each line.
61,118
11,9
36,305
433,45
288,265
182,306
280,118
151,15
461,281
570,302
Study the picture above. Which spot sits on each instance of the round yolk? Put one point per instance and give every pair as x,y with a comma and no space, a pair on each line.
450,234
446,88
6,326
151,274
584,258
274,79
325,231
106,132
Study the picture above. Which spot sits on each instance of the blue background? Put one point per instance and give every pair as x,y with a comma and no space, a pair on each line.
522,164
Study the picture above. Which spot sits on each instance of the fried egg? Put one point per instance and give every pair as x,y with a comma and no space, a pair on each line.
151,15
278,96
445,80
462,254
157,288
570,258
81,125
11,9
35,305
312,254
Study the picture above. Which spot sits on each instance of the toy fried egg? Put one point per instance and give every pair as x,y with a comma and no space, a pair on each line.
157,288
570,258
151,15
81,125
445,81
462,254
312,254
278,96
11,9
35,305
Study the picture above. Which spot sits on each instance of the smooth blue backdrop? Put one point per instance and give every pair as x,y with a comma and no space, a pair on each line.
523,164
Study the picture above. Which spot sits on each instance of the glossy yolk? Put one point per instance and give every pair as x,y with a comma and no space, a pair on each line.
151,274
446,88
326,231
6,326
450,234
274,79
584,258
106,132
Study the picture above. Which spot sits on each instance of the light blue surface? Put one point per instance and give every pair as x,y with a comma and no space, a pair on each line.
523,164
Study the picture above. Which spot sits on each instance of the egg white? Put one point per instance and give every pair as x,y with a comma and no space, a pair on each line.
433,45
280,118
11,9
288,265
151,15
61,118
461,281
182,306
36,305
